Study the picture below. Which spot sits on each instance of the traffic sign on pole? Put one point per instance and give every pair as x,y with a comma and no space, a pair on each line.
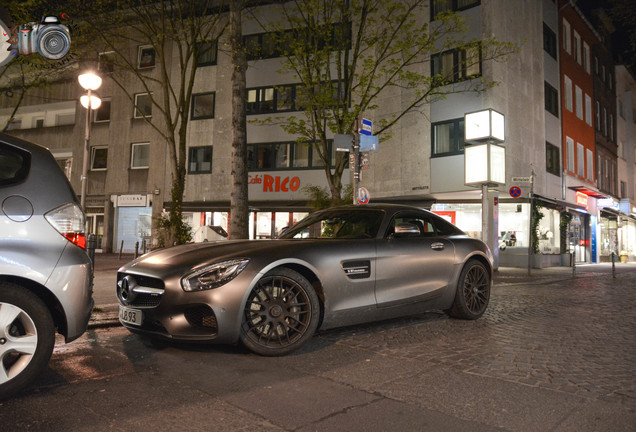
367,127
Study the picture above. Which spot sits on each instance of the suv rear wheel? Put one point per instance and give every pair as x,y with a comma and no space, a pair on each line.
27,336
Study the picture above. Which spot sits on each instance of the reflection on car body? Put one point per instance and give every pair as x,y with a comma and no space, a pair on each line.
336,267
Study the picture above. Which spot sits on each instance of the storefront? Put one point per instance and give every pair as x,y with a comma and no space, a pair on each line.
132,222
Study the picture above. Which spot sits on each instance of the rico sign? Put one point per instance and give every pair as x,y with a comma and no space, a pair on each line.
275,183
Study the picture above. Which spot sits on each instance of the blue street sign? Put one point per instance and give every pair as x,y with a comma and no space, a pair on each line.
367,127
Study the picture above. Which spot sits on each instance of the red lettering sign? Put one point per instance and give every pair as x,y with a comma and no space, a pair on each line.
276,183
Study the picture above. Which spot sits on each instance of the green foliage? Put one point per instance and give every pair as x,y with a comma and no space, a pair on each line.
349,54
320,198
170,231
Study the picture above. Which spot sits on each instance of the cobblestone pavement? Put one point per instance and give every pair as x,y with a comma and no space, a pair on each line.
576,336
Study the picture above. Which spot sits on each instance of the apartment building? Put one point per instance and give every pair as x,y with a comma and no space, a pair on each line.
546,93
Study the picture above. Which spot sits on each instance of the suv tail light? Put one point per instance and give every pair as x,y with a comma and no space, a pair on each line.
69,220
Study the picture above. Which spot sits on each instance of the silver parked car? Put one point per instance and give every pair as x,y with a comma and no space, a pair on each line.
336,267
45,272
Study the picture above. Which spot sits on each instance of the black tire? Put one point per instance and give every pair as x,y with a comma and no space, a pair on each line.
27,337
281,313
473,291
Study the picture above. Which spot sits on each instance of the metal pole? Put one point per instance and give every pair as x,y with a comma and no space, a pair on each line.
484,213
613,265
87,138
356,161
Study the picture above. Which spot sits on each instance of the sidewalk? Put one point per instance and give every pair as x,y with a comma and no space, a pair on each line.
106,266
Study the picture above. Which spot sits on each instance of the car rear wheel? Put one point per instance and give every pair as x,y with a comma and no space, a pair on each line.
473,291
27,337
281,313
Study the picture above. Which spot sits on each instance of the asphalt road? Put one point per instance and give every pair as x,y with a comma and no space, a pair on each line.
552,353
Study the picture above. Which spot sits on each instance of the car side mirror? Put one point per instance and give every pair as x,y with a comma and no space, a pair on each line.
406,230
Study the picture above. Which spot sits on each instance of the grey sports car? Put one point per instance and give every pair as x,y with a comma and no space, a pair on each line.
337,267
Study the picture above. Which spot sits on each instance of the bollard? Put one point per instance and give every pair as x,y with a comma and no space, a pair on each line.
136,249
91,245
121,248
613,265
573,262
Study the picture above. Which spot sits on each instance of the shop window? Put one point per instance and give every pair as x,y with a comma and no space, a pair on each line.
552,159
102,114
206,53
143,105
551,100
200,160
140,156
99,158
447,137
145,57
202,106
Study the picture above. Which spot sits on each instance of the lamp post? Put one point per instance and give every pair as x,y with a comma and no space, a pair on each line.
485,167
89,82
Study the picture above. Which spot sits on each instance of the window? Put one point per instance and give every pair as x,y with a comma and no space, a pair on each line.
579,101
551,100
140,156
598,116
202,106
145,57
15,164
577,47
567,41
102,114
604,121
580,160
447,137
586,57
200,160
549,41
611,127
568,92
570,153
456,65
590,164
588,109
273,99
143,105
106,62
438,6
99,158
284,155
206,53
552,159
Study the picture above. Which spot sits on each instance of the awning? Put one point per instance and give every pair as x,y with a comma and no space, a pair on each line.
589,191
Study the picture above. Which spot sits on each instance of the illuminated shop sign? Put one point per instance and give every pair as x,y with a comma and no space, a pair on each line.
581,199
275,183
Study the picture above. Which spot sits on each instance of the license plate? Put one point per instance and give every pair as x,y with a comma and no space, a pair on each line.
130,316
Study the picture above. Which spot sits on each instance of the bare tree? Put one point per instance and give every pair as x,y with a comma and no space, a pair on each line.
178,33
349,53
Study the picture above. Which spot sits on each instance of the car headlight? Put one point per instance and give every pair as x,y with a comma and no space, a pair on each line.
213,276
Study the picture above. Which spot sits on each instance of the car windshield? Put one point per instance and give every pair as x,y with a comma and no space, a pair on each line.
337,224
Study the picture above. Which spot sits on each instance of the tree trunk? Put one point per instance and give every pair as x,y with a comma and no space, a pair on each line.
239,212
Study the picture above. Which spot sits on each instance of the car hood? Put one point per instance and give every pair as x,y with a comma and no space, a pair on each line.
195,255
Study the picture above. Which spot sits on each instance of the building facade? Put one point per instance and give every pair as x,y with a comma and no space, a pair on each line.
555,137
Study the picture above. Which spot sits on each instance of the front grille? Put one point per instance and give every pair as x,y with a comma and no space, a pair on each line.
139,291
146,300
202,317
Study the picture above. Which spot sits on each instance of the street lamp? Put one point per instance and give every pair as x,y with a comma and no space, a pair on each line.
485,166
89,82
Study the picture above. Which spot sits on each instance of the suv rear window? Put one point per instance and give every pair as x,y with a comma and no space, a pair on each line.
14,164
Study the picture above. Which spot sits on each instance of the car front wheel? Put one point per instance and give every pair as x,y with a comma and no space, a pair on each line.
281,313
27,336
473,291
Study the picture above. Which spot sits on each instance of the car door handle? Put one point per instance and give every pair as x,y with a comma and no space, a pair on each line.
437,246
